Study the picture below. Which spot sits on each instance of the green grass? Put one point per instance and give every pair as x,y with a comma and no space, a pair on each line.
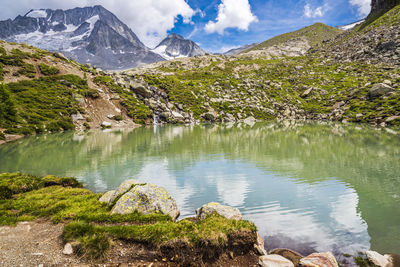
46,104
90,223
48,70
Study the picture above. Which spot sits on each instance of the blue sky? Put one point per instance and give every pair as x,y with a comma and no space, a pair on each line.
216,25
273,17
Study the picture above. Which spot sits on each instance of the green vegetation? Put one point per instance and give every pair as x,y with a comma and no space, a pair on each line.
136,109
8,112
48,70
27,197
315,34
45,104
27,70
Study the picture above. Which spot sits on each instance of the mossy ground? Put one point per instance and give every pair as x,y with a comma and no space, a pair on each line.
89,222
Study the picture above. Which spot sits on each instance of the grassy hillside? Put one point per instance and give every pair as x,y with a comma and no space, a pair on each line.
315,34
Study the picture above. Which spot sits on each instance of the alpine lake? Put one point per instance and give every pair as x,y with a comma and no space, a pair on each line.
307,186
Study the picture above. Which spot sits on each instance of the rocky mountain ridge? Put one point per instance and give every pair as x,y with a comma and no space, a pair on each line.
175,46
88,35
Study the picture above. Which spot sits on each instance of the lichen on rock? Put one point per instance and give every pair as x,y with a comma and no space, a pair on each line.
147,199
213,207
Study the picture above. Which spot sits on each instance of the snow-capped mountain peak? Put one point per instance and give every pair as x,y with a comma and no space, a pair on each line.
88,35
176,46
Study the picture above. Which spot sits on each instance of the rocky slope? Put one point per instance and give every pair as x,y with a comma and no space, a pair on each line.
88,35
46,92
175,46
236,51
381,6
377,40
300,40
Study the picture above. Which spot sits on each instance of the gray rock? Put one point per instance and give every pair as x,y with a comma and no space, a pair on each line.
147,199
77,117
250,121
122,189
378,259
378,90
392,118
325,259
68,249
213,207
289,254
107,197
274,261
211,116
307,92
140,89
259,246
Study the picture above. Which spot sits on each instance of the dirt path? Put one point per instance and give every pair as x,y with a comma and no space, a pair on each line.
39,244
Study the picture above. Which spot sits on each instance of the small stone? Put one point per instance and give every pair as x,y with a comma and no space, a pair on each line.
274,261
378,90
325,259
225,211
250,121
387,82
106,124
307,92
259,246
68,249
392,118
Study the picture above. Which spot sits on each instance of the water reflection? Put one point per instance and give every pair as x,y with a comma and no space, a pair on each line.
307,186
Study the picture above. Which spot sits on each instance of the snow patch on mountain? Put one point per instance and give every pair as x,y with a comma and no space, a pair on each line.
162,51
351,25
38,13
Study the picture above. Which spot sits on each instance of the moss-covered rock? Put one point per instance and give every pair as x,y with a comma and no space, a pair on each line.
147,199
122,189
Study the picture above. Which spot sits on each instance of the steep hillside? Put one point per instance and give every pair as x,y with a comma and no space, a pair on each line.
45,92
376,40
88,35
312,35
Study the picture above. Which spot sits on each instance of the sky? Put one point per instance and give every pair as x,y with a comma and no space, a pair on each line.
215,25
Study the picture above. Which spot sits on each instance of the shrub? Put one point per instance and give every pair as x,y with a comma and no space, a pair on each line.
48,70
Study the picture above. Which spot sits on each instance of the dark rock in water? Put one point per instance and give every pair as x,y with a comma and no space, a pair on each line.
88,35
289,254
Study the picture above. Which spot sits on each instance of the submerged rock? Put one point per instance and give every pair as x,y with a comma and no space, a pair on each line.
122,189
324,259
147,199
213,207
274,261
107,197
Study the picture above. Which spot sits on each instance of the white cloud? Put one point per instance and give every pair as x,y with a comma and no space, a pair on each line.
309,12
232,14
363,6
149,19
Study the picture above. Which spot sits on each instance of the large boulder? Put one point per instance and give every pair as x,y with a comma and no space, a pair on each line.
122,189
378,259
213,207
210,116
107,197
274,261
147,199
378,90
140,89
325,259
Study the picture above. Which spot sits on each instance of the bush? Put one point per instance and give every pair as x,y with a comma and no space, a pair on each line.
8,113
48,70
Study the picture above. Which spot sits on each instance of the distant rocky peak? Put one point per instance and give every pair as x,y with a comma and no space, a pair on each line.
176,46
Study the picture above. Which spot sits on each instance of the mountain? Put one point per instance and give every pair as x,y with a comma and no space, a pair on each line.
88,35
381,6
310,36
238,50
175,46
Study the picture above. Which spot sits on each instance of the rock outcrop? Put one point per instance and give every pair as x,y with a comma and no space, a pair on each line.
147,199
213,207
382,5
325,259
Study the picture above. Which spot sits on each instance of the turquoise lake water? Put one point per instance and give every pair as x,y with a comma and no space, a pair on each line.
307,186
